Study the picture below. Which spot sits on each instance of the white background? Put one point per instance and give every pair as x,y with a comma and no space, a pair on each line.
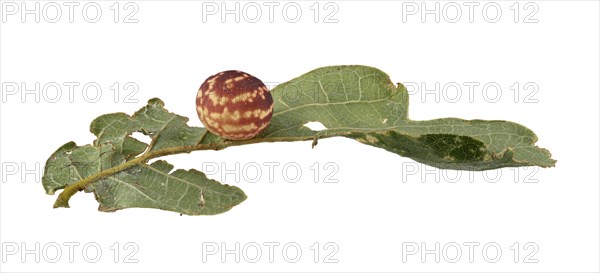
381,206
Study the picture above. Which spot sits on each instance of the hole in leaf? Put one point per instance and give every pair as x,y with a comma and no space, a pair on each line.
141,137
315,126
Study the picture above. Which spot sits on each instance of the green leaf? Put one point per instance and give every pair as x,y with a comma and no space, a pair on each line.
362,103
343,98
356,102
155,186
71,163
115,129
121,180
166,129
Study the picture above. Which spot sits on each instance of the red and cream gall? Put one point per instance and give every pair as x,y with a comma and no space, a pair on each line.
234,105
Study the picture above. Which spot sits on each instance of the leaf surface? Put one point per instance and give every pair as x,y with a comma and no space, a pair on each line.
140,185
362,103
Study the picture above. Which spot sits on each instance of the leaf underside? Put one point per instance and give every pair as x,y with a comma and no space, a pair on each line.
356,102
